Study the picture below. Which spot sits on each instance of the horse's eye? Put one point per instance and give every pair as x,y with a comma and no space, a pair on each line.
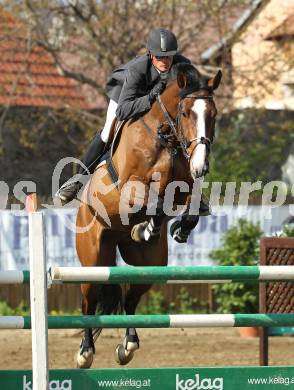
185,114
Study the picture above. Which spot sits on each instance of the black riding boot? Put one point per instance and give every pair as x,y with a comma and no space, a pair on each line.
69,190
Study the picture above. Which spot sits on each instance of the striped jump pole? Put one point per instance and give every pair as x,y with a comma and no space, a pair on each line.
14,277
171,274
153,321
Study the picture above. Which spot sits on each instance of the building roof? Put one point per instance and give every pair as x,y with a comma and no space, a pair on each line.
212,52
285,29
28,73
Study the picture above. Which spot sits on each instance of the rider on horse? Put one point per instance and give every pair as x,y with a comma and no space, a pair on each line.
132,89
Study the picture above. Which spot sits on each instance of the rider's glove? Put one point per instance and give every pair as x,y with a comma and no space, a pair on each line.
156,90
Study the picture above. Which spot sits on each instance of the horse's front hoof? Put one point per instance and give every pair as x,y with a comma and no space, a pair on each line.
85,359
142,233
177,233
137,232
122,356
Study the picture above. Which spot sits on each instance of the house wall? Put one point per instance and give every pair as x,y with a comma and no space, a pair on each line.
262,68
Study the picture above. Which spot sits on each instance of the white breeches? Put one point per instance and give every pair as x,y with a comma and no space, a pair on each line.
109,119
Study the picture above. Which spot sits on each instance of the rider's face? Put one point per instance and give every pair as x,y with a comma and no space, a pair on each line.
163,64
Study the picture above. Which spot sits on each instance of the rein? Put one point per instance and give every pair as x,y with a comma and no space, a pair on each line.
183,143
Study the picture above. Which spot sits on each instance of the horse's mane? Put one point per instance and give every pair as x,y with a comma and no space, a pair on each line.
194,79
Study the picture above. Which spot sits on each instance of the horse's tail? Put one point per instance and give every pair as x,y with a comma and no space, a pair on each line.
109,301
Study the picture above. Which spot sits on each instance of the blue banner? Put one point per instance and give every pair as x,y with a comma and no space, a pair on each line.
60,236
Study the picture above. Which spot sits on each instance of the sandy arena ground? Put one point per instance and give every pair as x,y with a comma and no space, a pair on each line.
159,348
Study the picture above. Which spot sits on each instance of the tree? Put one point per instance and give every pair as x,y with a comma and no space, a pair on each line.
88,38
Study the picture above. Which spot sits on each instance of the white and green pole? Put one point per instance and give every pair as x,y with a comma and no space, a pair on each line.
153,321
200,274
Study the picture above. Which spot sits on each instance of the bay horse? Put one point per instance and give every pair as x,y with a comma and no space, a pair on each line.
168,145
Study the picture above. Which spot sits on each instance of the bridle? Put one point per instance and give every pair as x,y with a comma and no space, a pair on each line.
164,139
177,131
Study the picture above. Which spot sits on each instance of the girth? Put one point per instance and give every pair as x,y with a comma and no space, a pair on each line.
109,162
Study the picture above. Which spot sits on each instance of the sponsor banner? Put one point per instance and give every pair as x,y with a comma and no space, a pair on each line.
60,237
217,378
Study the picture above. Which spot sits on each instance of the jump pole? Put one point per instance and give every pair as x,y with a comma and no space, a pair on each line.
38,295
170,274
14,277
159,275
153,321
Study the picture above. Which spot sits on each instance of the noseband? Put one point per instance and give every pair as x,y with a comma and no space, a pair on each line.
176,128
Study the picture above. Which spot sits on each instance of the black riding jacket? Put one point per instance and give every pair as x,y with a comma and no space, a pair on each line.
130,84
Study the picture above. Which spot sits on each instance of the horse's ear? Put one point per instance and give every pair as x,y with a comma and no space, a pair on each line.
214,82
182,80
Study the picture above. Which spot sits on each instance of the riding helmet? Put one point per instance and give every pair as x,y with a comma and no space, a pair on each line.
162,42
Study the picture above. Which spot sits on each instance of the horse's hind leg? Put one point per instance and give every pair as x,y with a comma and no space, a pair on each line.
124,352
87,348
91,252
96,298
154,253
